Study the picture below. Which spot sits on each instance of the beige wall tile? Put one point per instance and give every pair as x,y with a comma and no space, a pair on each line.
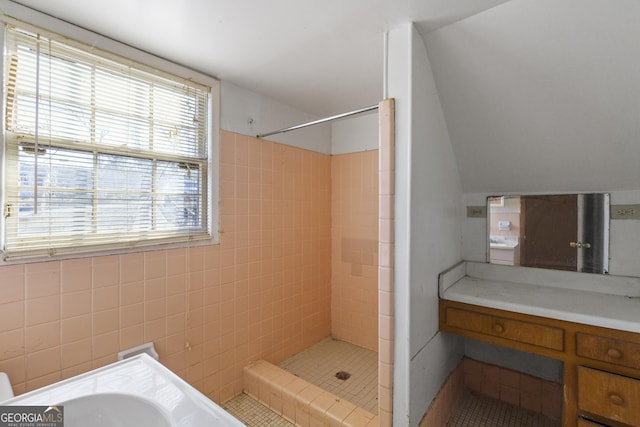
76,353
42,279
43,381
155,330
155,288
106,271
106,345
176,262
75,304
354,281
43,336
155,264
131,336
264,292
75,328
132,268
76,274
45,362
106,321
155,309
177,304
106,298
12,316
131,315
76,370
13,288
12,344
131,293
15,368
42,310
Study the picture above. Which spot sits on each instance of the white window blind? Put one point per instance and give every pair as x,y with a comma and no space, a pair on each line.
99,154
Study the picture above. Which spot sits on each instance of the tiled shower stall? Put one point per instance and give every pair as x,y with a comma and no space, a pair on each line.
297,262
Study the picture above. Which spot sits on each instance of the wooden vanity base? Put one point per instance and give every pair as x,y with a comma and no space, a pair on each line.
601,365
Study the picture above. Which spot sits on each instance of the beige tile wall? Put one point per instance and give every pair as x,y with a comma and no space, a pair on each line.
354,259
443,404
515,388
533,394
263,293
386,250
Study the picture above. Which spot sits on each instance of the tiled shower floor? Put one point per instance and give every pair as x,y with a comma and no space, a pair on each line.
474,410
319,364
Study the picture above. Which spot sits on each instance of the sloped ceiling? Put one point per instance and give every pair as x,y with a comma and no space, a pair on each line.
543,95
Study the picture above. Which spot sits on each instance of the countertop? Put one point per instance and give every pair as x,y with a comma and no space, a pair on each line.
598,300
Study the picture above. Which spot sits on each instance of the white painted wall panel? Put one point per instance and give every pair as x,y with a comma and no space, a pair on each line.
428,227
250,113
399,87
355,134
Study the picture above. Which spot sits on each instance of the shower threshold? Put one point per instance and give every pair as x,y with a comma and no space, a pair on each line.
342,368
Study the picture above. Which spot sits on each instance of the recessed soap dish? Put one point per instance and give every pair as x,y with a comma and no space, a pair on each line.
134,351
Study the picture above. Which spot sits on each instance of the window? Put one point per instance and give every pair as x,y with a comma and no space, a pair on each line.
99,153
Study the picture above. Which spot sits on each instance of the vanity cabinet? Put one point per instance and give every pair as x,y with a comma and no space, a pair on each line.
601,365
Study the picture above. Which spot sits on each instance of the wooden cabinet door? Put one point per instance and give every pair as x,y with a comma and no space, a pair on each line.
608,395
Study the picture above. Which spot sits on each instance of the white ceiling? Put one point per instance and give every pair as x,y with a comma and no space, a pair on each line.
322,58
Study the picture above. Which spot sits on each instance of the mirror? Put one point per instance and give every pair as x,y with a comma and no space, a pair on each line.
560,232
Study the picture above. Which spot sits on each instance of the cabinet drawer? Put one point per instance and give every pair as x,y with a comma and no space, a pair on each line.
514,330
611,396
610,350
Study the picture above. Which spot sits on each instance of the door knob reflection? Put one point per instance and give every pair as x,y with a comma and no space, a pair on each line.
578,245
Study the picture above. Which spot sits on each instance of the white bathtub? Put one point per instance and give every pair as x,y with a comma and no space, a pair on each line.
136,392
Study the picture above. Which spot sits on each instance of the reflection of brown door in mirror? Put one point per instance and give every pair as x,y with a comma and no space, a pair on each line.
549,224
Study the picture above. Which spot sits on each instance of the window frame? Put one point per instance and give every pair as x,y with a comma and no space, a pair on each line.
113,50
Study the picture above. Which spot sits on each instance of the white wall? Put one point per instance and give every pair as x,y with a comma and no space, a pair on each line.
624,241
355,134
528,363
428,213
398,59
250,113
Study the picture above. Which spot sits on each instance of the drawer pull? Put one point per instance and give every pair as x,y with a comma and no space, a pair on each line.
498,328
614,353
616,399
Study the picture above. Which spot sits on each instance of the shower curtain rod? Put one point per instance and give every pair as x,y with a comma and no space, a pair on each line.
315,122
